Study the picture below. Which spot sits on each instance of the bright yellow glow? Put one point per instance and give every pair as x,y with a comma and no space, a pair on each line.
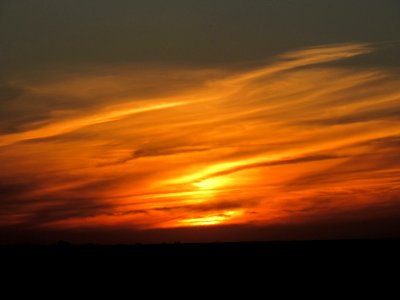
210,219
211,183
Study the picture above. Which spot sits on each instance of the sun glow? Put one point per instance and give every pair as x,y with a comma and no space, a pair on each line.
211,219
211,183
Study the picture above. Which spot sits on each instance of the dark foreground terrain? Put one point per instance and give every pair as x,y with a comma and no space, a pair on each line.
321,267
383,253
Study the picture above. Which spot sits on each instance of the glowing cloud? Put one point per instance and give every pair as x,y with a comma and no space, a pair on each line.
292,141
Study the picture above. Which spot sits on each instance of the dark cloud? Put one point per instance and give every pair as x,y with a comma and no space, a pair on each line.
377,222
215,207
12,191
62,209
159,151
35,100
379,113
389,142
20,107
166,151
211,206
14,111
321,207
383,159
82,200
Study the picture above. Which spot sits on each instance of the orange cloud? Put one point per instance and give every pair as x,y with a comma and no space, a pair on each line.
295,140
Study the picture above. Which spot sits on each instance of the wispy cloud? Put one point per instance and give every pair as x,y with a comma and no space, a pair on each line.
296,139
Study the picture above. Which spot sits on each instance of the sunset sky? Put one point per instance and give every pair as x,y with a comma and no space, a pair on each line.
228,120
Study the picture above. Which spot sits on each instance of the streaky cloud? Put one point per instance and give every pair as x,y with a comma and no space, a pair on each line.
296,139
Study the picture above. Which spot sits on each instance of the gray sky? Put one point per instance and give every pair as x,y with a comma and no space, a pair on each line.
40,33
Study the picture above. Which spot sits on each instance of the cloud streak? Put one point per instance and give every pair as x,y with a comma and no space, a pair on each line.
297,139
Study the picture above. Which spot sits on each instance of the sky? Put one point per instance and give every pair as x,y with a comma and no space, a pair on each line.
199,121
